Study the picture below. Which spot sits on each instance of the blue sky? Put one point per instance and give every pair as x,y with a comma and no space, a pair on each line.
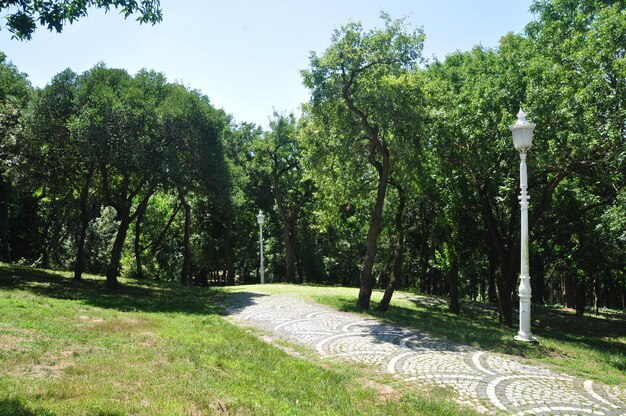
246,55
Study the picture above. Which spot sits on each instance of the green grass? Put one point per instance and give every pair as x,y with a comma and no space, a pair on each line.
591,347
151,348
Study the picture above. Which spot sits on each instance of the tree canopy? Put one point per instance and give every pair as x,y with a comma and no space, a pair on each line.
23,16
400,172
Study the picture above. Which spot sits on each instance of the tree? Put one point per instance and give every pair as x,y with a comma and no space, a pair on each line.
356,86
118,115
24,15
279,151
240,223
573,96
59,156
15,93
472,139
192,130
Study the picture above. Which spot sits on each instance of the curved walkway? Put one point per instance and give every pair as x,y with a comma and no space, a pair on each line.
488,382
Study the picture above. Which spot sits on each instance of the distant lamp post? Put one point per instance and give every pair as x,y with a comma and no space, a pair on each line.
522,140
261,219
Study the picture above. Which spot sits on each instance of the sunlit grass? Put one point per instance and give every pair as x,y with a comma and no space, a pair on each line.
148,348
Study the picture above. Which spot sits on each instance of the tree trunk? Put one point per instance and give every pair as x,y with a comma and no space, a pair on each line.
492,294
185,277
204,276
366,278
596,294
569,288
505,303
396,268
453,280
581,289
113,268
138,267
79,264
290,254
538,279
5,192
505,283
230,261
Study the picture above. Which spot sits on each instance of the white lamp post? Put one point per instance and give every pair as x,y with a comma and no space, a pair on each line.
522,140
261,219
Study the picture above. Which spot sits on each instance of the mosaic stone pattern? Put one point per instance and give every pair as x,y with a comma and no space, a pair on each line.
490,383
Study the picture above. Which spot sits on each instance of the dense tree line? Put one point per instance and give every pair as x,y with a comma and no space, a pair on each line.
399,172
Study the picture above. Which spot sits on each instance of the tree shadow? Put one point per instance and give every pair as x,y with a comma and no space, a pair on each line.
478,326
15,407
132,296
437,322
238,301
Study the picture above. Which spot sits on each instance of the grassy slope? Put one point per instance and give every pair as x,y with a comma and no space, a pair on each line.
148,349
592,347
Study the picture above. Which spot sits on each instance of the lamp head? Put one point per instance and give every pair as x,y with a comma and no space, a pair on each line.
522,132
260,218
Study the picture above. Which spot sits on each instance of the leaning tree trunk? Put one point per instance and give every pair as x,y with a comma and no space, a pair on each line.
366,277
398,251
185,277
113,268
125,217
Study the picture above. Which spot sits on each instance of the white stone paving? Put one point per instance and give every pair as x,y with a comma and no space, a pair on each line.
490,383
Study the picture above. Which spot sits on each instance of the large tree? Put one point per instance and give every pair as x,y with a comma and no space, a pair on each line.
357,92
60,158
118,115
192,130
279,151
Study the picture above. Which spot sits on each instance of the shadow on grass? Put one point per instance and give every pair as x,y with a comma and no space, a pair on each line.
132,296
478,326
15,407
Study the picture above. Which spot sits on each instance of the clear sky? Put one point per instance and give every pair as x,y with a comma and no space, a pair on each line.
246,55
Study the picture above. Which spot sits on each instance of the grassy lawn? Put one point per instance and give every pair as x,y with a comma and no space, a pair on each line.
151,348
591,347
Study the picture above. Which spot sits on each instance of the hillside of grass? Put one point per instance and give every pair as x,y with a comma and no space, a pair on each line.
152,348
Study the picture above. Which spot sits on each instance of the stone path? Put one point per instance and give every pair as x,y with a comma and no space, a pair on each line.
490,383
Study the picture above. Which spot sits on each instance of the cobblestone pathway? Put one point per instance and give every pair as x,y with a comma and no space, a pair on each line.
488,382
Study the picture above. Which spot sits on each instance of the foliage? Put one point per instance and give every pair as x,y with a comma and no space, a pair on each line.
359,110
399,172
25,15
100,237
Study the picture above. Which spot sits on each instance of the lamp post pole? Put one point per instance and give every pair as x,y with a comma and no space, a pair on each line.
522,140
261,219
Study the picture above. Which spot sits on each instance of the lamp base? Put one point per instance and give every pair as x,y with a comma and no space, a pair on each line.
525,338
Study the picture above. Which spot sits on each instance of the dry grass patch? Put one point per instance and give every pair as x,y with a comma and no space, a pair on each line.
383,391
120,324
